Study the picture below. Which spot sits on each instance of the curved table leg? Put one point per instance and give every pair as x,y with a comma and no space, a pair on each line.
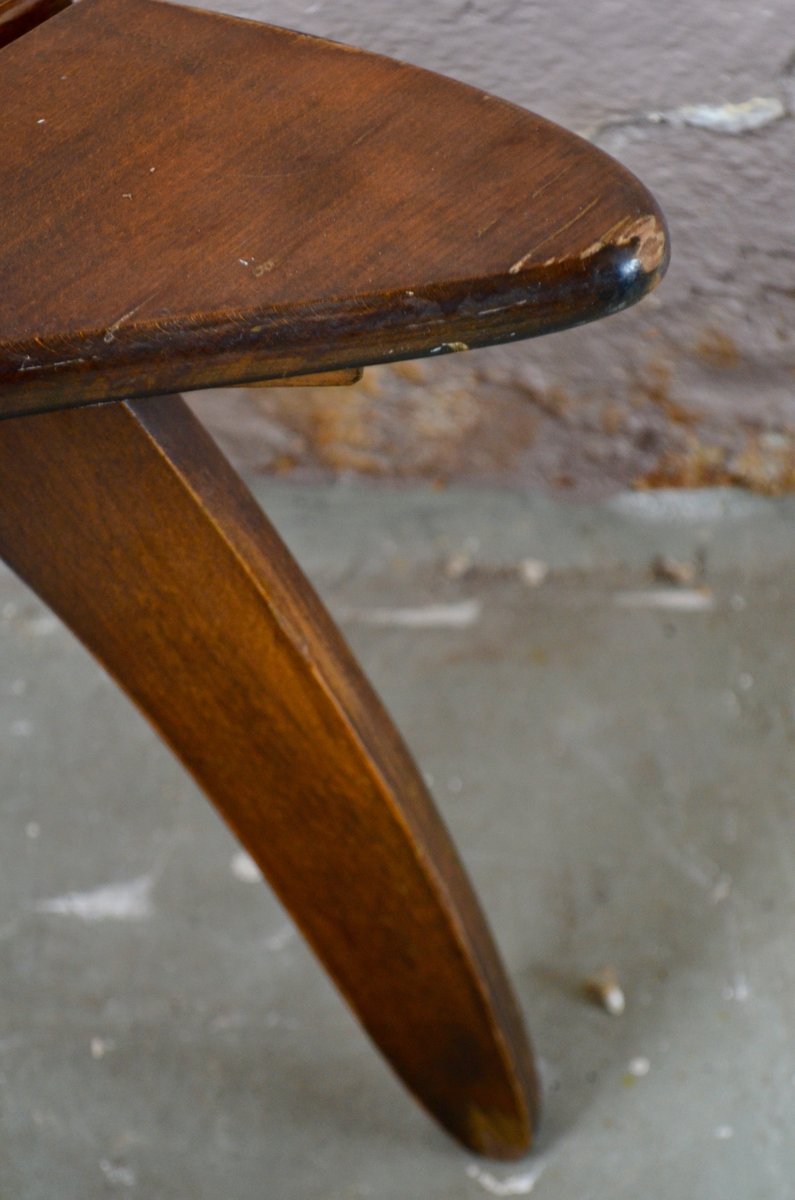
128,521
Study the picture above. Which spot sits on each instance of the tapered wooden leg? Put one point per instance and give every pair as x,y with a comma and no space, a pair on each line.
130,524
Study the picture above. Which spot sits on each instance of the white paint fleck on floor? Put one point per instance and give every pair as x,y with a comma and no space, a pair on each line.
520,1184
460,615
244,868
129,900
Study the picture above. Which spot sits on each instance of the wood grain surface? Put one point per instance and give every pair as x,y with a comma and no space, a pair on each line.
127,520
190,199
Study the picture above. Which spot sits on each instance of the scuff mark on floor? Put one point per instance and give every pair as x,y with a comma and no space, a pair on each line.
117,1174
701,871
129,900
431,616
692,600
42,625
281,939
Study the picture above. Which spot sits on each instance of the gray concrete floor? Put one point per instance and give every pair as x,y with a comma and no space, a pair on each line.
615,758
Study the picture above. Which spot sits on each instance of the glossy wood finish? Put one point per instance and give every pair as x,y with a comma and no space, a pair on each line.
130,524
191,200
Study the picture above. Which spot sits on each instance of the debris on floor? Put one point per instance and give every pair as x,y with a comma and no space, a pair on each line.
604,988
671,570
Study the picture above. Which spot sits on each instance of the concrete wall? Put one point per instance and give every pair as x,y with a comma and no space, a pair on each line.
695,385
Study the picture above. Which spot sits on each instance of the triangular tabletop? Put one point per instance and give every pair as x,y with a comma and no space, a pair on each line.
189,199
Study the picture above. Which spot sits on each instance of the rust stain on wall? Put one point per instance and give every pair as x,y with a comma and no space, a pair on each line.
655,386
764,464
505,422
718,349
398,423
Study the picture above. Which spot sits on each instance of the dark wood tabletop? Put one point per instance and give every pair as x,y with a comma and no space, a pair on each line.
190,199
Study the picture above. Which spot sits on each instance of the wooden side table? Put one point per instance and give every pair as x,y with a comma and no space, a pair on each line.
192,200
